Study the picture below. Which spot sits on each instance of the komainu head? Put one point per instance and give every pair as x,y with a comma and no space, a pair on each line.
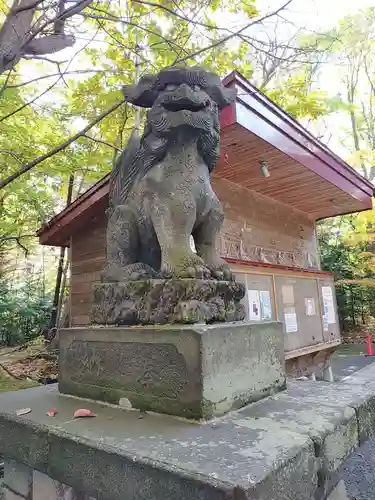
184,104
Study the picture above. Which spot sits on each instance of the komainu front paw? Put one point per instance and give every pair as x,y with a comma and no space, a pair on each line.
219,269
187,266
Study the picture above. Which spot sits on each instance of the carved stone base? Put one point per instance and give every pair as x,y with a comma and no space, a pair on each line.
191,371
167,301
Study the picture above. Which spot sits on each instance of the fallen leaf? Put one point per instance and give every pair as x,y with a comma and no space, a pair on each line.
83,413
24,411
52,412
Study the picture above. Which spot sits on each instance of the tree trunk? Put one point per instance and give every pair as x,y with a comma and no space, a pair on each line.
22,35
62,291
362,310
354,125
352,306
60,269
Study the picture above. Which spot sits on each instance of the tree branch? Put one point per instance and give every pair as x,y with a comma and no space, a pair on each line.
23,106
111,17
4,86
7,152
19,36
12,238
44,58
73,72
75,9
100,141
180,16
225,39
17,239
22,8
57,149
61,77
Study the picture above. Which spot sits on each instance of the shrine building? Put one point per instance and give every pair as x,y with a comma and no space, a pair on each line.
275,181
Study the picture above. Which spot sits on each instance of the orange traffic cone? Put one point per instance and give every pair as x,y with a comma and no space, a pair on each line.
369,347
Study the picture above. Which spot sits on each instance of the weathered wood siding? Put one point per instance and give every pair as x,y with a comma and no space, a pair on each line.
256,228
259,229
88,256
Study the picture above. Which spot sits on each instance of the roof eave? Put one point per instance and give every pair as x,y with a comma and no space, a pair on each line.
268,121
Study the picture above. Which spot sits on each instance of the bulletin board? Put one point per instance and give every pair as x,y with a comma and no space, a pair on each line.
299,311
260,299
305,304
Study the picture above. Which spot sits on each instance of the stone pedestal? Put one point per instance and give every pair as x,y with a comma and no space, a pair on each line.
286,447
167,301
196,371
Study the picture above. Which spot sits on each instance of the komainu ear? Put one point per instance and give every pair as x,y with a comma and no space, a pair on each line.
221,95
143,93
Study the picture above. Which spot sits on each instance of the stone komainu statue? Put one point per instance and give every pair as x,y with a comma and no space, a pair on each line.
160,191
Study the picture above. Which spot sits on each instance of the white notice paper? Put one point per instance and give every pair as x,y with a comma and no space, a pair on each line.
310,307
290,320
329,309
254,305
265,301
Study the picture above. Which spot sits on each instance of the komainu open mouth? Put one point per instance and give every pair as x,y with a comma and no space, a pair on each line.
184,105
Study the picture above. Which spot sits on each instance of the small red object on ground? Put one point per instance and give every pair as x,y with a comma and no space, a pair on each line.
83,413
52,412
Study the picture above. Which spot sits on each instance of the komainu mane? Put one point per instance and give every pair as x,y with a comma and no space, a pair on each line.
161,192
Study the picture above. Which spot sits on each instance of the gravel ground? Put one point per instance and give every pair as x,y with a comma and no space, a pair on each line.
1,478
350,358
346,366
359,473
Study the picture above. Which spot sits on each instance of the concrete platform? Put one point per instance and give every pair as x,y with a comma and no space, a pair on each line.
195,371
285,447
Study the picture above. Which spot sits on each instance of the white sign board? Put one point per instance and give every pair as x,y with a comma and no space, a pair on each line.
328,305
254,305
290,318
265,302
310,307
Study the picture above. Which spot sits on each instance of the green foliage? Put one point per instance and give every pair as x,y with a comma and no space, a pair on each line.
346,251
24,310
350,53
347,243
71,102
296,97
24,135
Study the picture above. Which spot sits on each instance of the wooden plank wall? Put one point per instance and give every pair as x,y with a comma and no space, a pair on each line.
259,229
256,228
88,258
